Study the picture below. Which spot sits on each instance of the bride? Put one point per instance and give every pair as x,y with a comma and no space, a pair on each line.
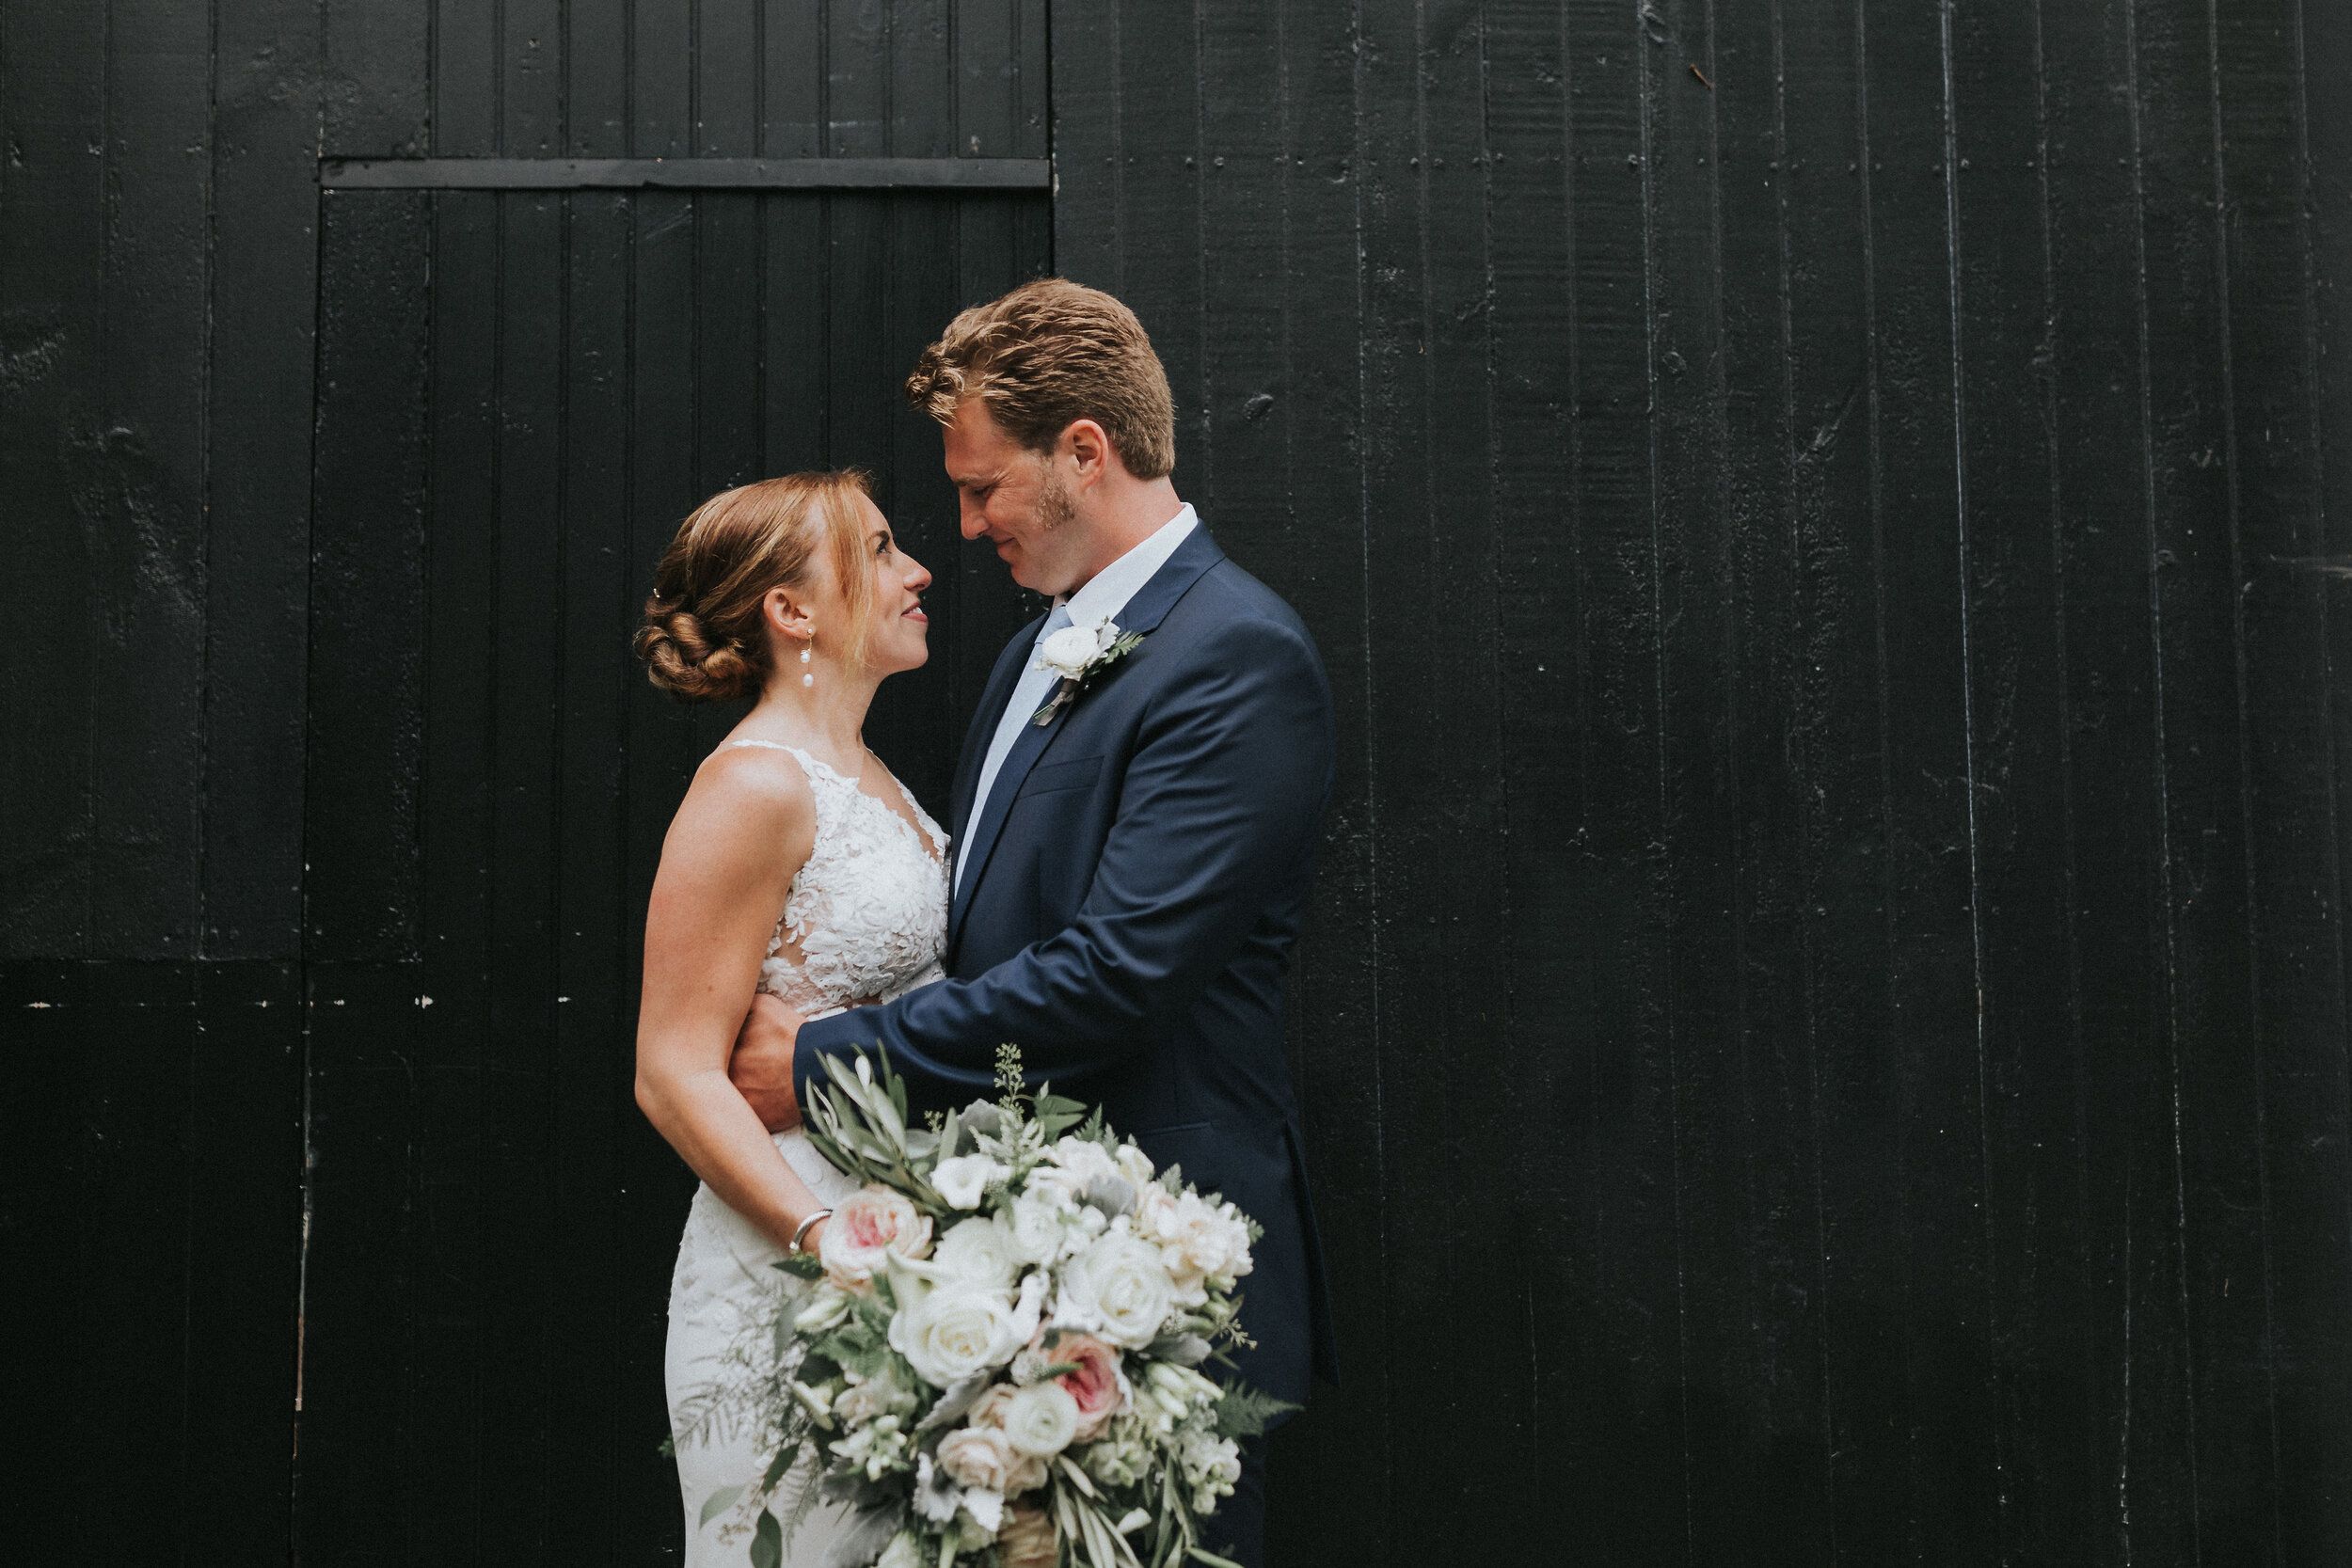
796,865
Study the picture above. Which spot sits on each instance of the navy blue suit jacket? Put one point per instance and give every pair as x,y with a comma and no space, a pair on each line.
1127,911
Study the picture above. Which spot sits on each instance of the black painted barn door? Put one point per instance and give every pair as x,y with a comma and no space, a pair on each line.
519,394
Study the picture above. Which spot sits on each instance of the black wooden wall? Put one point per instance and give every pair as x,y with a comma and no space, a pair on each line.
333,794
1824,1034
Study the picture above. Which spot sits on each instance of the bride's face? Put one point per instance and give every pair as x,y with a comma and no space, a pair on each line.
898,636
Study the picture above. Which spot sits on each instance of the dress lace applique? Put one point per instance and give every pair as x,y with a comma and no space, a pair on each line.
869,911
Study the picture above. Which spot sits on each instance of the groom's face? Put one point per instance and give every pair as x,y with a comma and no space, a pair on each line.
1017,499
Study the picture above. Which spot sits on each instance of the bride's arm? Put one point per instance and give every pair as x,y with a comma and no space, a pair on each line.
743,832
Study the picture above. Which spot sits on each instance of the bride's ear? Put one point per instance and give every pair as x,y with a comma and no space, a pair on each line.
787,616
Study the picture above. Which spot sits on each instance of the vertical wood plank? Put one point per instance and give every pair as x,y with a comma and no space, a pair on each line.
362,840
1836,696
258,418
243,1230
530,55
139,482
525,1510
1326,1491
1033,123
2194,586
596,73
792,82
126,1260
2046,1328
2100,493
1089,145
471,75
367,1263
55,227
661,78
1917,429
453,1158
2269,156
1162,160
987,101
1748,1099
378,53
857,78
727,77
923,81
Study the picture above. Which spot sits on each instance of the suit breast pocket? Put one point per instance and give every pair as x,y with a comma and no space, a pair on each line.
1053,777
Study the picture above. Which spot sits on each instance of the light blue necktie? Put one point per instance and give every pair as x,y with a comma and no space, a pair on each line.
1028,695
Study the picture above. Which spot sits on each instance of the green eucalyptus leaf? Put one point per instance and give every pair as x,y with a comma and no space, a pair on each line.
768,1543
719,1502
779,1465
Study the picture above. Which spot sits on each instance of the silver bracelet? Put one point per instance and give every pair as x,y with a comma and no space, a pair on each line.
821,1214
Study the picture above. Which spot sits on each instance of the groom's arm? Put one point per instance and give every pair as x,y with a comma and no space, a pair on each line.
1223,794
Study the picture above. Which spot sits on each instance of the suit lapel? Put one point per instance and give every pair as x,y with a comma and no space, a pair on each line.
1032,740
1142,613
984,720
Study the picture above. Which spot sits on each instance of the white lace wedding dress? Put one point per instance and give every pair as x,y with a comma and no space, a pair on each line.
869,914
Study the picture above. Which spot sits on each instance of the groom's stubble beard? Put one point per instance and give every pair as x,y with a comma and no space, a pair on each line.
1056,508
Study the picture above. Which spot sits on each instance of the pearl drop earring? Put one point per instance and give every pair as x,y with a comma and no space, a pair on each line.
807,678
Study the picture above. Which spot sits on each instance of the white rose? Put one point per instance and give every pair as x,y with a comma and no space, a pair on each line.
977,1251
1053,1187
963,1179
978,1457
1037,1225
1118,1288
1084,1159
954,1331
1040,1419
1068,651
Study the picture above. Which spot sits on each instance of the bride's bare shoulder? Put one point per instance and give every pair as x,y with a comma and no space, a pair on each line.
744,796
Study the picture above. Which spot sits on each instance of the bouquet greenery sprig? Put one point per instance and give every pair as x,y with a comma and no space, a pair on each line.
997,1356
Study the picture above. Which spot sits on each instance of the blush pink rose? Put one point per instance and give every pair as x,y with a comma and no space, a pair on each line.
864,1228
1097,1384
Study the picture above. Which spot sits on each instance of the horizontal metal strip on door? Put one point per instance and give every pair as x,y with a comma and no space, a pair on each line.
694,174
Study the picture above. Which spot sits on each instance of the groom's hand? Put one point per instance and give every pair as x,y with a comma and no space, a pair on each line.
761,1068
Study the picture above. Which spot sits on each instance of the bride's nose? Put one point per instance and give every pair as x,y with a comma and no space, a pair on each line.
918,575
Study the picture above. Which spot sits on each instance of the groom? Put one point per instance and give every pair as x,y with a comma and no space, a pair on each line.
1131,865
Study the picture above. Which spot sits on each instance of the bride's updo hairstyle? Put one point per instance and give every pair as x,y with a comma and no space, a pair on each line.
704,639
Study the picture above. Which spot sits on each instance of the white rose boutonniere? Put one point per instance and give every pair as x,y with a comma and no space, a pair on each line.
1077,654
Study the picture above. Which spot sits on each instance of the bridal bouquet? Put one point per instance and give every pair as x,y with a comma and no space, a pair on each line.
997,1356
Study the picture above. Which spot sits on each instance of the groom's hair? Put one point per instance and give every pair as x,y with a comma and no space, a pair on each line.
1046,354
